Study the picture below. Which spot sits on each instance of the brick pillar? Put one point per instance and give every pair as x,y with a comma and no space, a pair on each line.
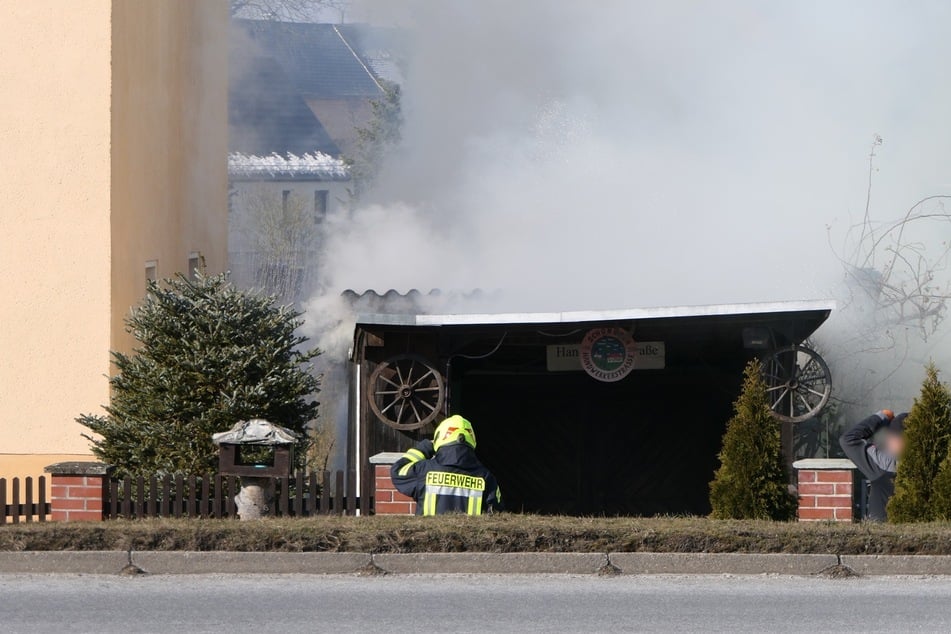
387,500
826,488
78,490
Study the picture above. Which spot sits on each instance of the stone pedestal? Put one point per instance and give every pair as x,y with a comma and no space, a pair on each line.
255,498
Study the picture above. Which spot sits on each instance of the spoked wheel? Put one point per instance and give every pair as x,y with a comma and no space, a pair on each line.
406,392
798,383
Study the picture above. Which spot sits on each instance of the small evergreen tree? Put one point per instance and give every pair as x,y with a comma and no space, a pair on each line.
919,479
209,356
752,481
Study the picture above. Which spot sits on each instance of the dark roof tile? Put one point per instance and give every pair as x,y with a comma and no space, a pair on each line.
317,59
265,112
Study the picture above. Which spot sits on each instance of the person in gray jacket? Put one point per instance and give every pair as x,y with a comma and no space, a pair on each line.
878,462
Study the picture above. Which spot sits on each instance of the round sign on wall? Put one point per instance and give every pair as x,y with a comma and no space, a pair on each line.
608,354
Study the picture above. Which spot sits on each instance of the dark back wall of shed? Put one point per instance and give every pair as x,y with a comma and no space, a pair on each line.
566,443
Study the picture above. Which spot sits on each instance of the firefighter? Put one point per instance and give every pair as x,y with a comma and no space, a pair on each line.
878,462
443,475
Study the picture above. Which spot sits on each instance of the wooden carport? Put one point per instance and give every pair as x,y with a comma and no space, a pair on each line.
559,439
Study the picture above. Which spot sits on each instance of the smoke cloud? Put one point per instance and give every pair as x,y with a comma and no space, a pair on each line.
621,154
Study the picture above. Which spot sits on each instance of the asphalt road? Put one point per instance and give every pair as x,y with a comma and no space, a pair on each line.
484,603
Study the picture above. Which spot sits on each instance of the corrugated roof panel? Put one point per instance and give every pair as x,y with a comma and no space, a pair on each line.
588,316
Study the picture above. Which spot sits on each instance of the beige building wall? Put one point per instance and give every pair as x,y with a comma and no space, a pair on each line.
54,226
114,121
169,144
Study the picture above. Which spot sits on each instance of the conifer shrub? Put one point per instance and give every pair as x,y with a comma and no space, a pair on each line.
208,355
923,480
752,481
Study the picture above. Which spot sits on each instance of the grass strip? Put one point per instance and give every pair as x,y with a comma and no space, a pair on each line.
499,534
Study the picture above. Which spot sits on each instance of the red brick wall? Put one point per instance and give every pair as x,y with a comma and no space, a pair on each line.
77,498
388,500
825,494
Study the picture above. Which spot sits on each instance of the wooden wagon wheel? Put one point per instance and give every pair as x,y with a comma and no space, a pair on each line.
798,383
406,392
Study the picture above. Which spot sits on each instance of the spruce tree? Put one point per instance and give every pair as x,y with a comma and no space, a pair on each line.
919,478
752,481
209,355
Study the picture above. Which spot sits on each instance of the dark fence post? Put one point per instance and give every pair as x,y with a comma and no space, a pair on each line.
193,510
219,504
283,507
127,498
112,503
312,505
179,495
338,494
28,510
352,492
140,511
41,511
16,500
325,490
299,488
364,492
205,497
165,505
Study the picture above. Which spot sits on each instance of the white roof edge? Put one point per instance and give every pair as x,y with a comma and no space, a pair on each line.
595,315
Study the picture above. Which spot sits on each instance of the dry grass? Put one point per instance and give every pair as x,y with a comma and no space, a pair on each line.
500,533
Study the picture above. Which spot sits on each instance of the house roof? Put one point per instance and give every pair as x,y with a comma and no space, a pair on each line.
317,166
317,58
796,319
379,47
713,332
627,314
265,112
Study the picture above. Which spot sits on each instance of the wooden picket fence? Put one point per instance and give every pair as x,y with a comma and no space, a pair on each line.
32,506
212,496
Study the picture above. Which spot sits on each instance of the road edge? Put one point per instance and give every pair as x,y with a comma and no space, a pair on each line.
640,563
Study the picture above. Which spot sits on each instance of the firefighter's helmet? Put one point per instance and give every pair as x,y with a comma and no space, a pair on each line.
454,429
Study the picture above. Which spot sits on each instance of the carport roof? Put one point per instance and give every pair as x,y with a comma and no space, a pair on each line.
811,310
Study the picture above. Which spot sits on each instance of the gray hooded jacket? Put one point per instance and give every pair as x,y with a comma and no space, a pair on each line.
877,465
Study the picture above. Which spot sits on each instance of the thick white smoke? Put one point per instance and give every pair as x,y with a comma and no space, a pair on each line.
591,155
576,155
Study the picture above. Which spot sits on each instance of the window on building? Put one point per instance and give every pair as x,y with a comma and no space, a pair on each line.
195,264
151,271
285,202
320,205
